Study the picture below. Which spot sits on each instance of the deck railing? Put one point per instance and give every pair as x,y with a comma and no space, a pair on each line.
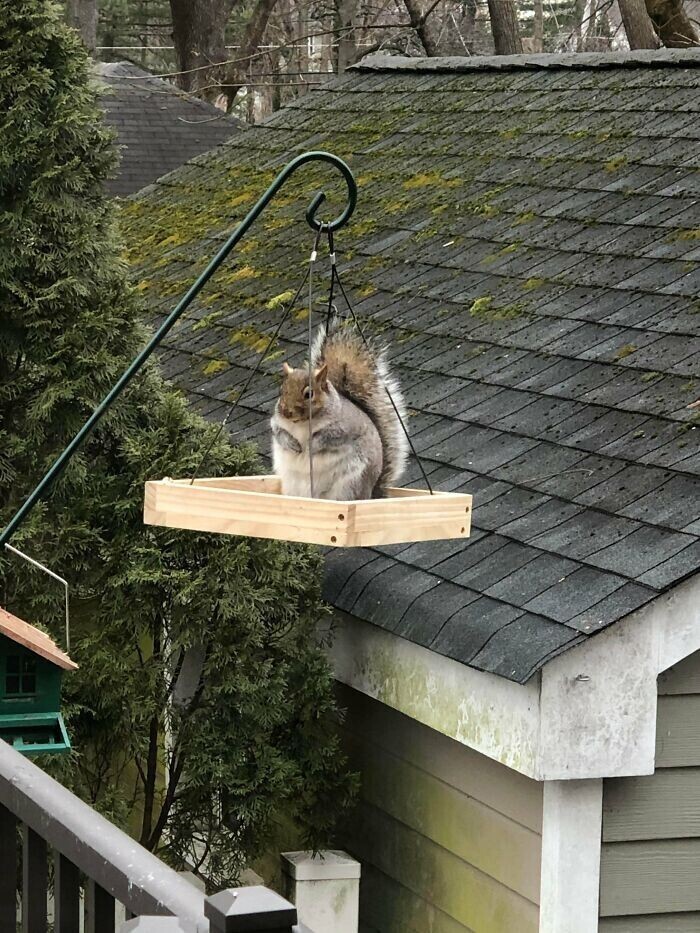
92,855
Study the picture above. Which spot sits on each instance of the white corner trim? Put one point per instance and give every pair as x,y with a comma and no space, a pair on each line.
496,717
571,838
598,701
590,713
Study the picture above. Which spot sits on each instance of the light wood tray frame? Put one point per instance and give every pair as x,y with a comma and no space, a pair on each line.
254,506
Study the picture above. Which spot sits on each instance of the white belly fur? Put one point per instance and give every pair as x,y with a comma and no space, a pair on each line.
335,473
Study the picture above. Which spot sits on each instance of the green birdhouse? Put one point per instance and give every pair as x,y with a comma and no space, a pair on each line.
31,668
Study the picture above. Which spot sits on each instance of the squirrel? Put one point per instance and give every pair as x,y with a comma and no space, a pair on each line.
359,444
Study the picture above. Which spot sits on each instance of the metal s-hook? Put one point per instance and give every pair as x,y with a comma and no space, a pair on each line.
184,303
340,221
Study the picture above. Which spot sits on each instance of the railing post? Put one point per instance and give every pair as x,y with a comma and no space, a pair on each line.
8,869
35,879
250,910
66,895
325,889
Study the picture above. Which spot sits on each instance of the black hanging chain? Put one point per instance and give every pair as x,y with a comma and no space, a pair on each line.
368,346
331,253
256,368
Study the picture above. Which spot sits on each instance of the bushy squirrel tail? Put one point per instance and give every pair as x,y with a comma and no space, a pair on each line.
362,375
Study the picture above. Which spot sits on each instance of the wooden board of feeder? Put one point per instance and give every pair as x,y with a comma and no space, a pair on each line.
254,506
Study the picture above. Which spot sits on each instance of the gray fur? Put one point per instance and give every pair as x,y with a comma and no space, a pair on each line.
285,440
359,445
347,452
378,401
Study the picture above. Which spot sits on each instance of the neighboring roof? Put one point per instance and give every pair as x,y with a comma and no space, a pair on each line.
33,638
158,126
527,239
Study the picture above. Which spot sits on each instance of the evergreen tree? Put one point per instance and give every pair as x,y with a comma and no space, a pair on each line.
202,714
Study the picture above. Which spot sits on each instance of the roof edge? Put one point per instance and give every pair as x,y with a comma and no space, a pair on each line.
567,61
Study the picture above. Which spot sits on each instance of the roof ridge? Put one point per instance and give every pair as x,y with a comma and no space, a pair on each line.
567,61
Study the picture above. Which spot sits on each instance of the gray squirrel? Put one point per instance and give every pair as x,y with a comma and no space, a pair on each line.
359,445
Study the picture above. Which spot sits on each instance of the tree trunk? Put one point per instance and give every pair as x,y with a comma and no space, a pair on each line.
420,25
346,10
638,26
198,36
504,27
254,31
672,24
538,27
82,15
151,775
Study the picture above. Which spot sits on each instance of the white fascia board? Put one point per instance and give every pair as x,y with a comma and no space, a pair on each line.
590,713
495,716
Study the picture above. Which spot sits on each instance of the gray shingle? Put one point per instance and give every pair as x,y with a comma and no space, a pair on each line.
466,633
515,651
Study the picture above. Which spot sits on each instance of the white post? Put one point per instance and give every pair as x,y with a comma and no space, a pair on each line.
325,890
571,838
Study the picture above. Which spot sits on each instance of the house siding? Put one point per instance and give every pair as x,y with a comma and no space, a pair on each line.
650,867
449,841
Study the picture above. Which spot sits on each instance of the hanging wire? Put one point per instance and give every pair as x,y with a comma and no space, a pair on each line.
249,380
368,346
331,253
312,260
40,566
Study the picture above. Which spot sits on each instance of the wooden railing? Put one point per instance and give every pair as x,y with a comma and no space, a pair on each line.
97,865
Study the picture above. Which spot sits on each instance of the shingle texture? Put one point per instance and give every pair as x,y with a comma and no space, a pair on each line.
527,239
158,127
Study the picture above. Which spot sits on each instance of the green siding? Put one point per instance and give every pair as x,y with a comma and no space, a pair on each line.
650,867
450,842
661,923
47,698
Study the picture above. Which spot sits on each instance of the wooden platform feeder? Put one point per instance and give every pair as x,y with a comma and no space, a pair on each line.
254,506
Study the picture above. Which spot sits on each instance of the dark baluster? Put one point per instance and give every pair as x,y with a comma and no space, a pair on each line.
99,909
8,871
34,882
66,889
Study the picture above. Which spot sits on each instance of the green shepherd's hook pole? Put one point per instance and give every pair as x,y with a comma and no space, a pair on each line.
184,303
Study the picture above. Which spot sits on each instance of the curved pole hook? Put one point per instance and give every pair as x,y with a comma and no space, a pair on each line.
183,304
343,168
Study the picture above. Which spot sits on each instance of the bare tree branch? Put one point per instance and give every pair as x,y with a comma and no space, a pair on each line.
419,23
672,23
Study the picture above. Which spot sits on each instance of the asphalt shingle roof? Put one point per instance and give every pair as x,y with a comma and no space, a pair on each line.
527,239
158,126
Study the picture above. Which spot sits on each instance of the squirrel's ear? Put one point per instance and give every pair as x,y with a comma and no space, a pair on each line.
286,369
321,376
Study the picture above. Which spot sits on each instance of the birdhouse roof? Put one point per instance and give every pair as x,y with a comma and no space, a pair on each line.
33,638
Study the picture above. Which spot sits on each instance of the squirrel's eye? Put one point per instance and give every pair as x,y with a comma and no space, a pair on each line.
308,393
